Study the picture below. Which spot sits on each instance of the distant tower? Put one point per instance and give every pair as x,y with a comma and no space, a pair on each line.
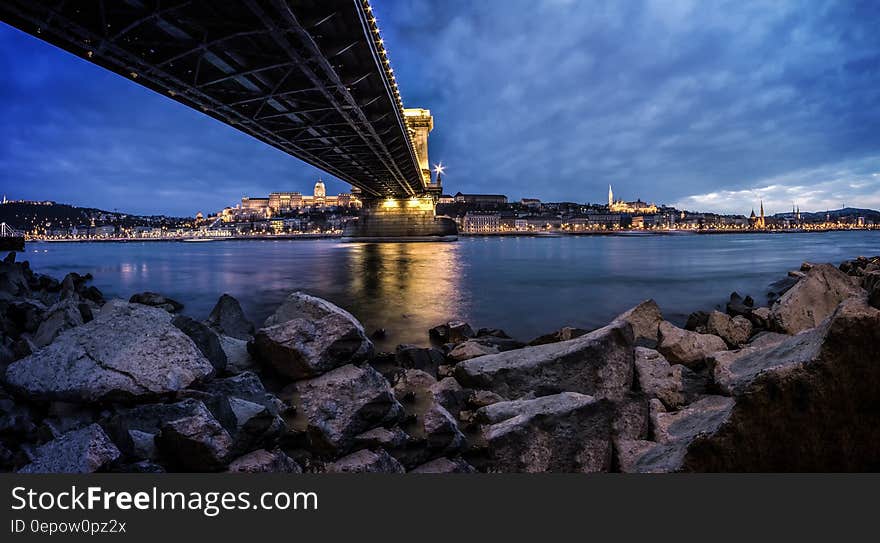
610,197
320,194
761,220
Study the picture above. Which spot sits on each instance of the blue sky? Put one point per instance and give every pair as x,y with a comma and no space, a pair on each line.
706,105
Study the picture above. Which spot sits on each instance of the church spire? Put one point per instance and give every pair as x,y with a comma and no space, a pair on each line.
610,197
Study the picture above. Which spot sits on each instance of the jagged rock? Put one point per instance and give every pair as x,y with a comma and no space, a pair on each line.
780,287
681,346
25,315
417,358
645,320
471,349
736,306
444,465
238,358
153,299
761,317
195,443
204,338
128,352
14,279
60,317
308,336
658,379
366,461
263,461
813,299
563,334
599,363
482,398
427,421
673,434
80,451
386,438
9,258
134,430
228,319
631,416
450,394
567,432
337,406
451,332
734,331
696,322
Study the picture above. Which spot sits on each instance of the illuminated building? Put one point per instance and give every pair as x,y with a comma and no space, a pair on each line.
637,207
282,202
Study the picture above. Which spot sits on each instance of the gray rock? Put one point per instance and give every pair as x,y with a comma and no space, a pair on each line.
60,317
812,299
386,438
205,339
228,319
567,432
308,336
444,465
734,331
238,358
80,451
195,443
645,320
128,352
263,461
454,332
658,379
153,299
564,334
366,461
134,430
427,421
472,349
337,406
413,357
599,363
681,346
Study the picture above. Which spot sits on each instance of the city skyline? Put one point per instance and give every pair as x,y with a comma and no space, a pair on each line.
769,102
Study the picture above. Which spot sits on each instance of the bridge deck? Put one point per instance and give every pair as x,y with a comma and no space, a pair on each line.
309,77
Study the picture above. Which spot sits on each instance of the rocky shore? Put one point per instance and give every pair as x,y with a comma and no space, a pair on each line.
91,385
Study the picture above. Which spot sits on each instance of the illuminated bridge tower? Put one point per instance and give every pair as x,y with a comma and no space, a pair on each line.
413,218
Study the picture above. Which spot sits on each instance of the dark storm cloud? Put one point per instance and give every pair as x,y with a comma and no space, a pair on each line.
704,104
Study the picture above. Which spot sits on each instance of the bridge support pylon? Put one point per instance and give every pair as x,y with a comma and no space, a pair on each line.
399,220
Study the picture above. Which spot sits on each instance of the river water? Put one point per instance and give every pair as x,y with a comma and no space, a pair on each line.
526,285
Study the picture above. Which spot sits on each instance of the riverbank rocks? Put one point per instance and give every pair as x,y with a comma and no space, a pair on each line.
308,336
129,352
672,385
452,332
263,461
228,319
681,346
812,299
197,442
159,301
80,451
205,339
62,316
432,428
734,331
566,432
366,461
337,406
645,320
563,334
599,363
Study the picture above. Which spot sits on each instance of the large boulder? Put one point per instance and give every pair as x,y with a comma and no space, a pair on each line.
599,363
337,406
308,336
80,451
195,443
128,352
645,320
62,316
674,385
366,461
682,346
735,331
228,319
566,432
153,299
809,403
812,299
205,339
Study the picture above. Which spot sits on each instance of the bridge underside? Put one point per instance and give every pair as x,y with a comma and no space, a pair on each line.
309,77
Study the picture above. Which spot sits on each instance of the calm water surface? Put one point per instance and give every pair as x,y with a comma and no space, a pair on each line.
527,286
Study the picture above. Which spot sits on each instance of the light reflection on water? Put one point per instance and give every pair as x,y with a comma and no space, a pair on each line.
527,286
